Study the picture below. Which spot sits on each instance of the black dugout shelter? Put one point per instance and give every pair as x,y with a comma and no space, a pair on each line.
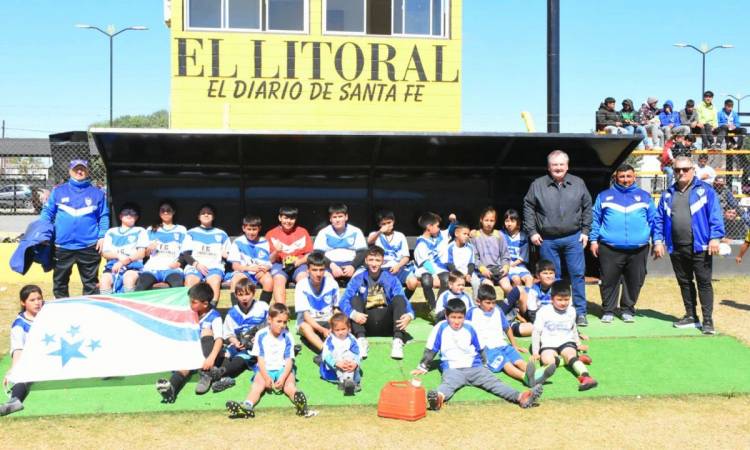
256,172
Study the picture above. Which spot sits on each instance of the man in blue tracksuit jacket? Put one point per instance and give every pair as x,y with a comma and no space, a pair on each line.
623,218
689,225
78,211
375,302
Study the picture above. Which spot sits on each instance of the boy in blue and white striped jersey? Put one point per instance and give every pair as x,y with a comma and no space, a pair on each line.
456,286
430,254
340,358
124,248
314,299
396,250
461,360
250,256
343,244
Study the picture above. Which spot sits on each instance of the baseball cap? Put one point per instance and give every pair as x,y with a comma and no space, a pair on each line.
78,162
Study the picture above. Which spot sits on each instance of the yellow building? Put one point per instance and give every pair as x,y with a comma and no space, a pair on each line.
320,65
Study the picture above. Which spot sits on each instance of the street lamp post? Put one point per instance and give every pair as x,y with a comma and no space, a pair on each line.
737,98
703,50
110,33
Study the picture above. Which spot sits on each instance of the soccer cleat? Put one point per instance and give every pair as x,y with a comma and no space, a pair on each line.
300,402
628,318
608,318
217,373
435,400
586,383
584,358
528,398
547,374
165,388
348,386
317,360
297,349
528,377
363,347
238,410
397,349
687,322
708,327
11,406
582,321
204,382
223,384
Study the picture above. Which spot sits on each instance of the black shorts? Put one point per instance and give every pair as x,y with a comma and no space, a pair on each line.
560,348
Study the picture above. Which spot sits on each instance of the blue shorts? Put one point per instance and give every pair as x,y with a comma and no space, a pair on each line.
518,271
190,270
292,272
161,275
405,272
135,265
498,357
250,276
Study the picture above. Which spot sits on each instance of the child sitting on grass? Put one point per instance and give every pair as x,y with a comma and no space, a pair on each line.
340,358
502,355
211,332
274,372
31,304
528,301
555,334
461,362
241,323
456,286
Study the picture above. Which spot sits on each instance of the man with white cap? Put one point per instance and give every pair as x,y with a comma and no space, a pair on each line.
649,117
80,216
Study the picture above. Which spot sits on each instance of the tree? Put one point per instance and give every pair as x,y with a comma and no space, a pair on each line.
158,119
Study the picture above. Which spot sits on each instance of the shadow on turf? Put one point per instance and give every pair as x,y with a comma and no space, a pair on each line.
136,380
656,315
735,305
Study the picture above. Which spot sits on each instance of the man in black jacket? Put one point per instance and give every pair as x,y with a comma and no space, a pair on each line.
557,217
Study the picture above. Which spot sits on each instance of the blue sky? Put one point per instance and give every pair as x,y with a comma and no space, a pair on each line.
54,77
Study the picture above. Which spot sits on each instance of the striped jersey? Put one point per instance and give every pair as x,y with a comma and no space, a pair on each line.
168,246
125,242
340,248
208,246
319,304
275,350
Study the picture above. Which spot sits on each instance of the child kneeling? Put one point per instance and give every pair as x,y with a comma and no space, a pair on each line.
461,362
341,357
274,372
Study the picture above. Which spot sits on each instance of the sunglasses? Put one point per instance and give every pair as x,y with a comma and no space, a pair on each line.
166,210
683,169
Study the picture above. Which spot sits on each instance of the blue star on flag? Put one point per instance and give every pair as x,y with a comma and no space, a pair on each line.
94,344
74,330
48,339
68,351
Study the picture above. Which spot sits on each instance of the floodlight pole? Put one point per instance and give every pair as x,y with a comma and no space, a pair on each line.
110,33
703,50
553,66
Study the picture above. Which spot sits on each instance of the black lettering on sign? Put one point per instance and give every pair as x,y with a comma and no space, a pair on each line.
183,57
258,60
316,57
416,61
439,65
291,60
339,61
375,62
215,68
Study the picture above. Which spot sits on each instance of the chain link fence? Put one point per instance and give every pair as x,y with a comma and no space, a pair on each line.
727,170
30,168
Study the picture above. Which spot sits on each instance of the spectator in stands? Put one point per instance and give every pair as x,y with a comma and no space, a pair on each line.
80,215
650,121
557,217
704,172
607,119
707,120
689,226
689,118
623,217
729,122
669,120
630,122
736,218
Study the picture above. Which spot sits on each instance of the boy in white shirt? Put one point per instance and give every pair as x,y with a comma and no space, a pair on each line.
275,372
314,300
341,356
343,244
456,286
555,334
461,361
396,250
124,248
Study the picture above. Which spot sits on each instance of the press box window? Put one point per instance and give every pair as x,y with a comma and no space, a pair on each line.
248,15
387,17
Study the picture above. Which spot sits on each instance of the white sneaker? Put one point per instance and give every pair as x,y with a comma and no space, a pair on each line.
397,349
363,347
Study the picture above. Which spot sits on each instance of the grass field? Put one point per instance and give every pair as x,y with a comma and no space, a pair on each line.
653,421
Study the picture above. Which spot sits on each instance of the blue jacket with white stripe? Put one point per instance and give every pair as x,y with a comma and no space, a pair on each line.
705,209
623,217
79,212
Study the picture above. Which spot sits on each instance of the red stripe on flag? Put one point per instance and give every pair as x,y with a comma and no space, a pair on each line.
155,311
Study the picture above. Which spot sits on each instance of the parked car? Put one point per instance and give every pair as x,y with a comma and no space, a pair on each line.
16,196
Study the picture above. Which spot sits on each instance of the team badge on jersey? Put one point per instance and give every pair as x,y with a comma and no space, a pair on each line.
608,198
131,239
217,237
65,200
176,236
88,201
637,198
700,191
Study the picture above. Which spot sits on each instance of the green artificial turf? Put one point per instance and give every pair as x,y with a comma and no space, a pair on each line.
645,366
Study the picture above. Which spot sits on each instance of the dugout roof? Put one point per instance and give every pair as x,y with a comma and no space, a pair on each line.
256,172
